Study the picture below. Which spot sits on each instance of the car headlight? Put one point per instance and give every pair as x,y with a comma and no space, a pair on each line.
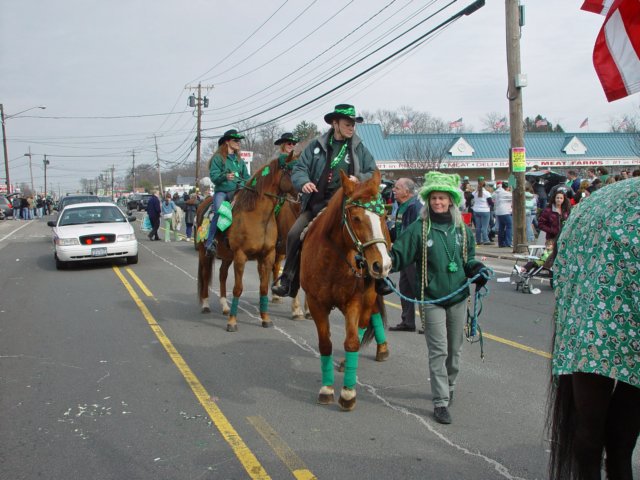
126,237
65,242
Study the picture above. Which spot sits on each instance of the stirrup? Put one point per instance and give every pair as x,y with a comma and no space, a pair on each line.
211,249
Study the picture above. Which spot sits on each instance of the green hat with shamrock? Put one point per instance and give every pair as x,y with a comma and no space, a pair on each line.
442,182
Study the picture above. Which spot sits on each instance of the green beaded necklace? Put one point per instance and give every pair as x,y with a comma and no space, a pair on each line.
453,265
341,154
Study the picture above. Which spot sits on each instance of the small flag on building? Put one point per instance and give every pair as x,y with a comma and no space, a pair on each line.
615,54
456,123
407,124
585,123
500,123
541,123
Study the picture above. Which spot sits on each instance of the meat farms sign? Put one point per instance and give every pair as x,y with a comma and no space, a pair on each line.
569,162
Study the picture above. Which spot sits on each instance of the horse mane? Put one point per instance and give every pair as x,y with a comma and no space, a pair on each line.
246,197
332,213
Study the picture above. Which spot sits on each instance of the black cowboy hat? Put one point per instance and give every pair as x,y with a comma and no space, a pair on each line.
228,135
286,137
343,111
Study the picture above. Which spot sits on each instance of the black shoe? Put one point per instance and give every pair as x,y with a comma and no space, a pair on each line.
451,397
421,331
282,290
211,249
442,415
382,287
402,327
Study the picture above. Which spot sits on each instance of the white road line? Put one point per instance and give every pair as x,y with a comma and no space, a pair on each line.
14,231
303,345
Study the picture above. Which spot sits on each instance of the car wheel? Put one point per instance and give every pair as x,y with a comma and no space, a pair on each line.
60,265
132,260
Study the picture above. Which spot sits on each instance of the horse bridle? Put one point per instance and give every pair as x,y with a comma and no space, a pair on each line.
361,261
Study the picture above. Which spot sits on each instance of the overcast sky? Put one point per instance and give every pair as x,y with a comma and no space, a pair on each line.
88,58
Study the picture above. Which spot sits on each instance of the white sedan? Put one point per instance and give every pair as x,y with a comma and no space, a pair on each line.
92,231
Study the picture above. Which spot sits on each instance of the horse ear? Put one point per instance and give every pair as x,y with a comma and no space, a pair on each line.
376,177
347,185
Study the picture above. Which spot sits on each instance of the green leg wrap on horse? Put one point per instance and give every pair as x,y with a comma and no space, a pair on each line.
326,363
350,369
234,307
378,328
361,333
264,304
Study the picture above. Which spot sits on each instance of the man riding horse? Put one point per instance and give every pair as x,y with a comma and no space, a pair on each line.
317,176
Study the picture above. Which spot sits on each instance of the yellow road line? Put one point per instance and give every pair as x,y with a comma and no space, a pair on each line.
246,457
496,338
288,456
142,286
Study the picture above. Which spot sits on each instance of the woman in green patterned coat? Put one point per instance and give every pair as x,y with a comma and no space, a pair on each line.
595,391
228,173
443,248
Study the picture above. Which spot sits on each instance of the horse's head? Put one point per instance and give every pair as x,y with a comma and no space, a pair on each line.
283,175
363,217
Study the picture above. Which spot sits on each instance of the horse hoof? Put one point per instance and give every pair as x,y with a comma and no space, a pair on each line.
308,316
341,366
205,310
232,327
347,399
325,397
267,324
382,352
276,299
225,311
298,317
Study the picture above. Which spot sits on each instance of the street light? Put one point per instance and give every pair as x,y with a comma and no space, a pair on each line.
4,139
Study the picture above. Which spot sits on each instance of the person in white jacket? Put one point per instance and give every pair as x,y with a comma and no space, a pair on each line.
481,212
502,198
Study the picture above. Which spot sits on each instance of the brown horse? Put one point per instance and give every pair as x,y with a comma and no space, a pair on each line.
251,236
286,216
345,249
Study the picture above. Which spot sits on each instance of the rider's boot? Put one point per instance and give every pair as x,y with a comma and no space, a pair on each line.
290,278
382,287
212,243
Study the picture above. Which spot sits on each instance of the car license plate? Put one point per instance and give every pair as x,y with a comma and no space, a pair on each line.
98,252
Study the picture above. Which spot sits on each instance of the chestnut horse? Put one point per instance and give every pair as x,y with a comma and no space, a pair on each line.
251,236
286,216
344,250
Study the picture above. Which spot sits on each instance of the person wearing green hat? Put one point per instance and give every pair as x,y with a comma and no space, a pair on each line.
228,172
443,248
287,143
317,176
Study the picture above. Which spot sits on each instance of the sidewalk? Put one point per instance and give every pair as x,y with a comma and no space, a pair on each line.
493,251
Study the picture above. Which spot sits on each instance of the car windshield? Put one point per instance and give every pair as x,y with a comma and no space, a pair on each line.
82,215
79,199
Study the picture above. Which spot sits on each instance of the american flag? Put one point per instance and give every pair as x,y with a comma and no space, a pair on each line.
407,124
541,123
585,123
616,52
500,123
456,123
623,124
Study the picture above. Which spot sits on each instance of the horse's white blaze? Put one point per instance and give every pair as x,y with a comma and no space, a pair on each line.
376,229
347,394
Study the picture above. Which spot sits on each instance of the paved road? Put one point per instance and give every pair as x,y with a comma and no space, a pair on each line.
112,373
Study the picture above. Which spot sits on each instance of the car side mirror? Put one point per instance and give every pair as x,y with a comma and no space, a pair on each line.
51,223
131,218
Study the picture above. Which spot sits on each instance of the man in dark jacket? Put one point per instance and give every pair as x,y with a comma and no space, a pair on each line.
154,211
317,176
408,210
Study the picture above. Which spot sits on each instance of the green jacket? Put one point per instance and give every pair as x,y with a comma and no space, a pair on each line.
219,169
314,158
407,249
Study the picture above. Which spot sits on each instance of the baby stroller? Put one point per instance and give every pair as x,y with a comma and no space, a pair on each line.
522,277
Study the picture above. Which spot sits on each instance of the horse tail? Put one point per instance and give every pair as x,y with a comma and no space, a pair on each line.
380,308
561,429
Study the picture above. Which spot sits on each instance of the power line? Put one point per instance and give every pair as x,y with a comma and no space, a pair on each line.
245,41
466,11
355,63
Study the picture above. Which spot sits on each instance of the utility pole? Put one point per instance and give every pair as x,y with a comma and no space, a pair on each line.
155,139
198,102
133,170
6,155
45,162
517,164
113,174
30,170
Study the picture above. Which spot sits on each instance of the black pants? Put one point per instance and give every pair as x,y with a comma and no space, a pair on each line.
155,225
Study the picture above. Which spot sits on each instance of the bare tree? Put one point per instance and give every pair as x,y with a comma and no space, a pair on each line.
406,120
422,154
495,122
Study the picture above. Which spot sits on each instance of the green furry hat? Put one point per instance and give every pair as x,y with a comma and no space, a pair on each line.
442,182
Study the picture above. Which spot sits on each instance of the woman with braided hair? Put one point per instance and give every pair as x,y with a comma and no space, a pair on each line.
443,248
